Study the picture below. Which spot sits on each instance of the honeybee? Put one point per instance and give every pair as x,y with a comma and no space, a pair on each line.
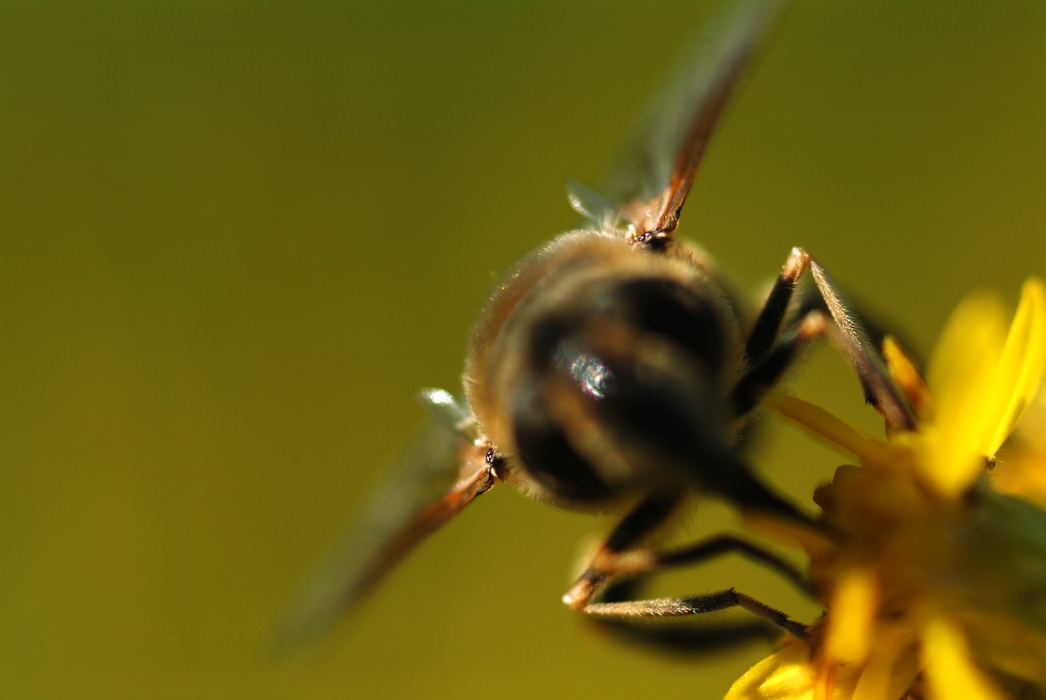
611,369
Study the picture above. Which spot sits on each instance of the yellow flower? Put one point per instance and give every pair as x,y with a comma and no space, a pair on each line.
936,586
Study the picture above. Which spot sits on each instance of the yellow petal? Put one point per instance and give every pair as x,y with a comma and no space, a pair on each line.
907,376
817,544
785,675
1020,367
962,374
824,424
950,672
854,604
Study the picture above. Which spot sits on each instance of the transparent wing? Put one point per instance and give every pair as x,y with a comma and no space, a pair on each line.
650,181
432,480
593,206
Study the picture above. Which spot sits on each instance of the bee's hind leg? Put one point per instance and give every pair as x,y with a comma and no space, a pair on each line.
684,636
636,564
611,558
620,608
608,589
662,608
612,562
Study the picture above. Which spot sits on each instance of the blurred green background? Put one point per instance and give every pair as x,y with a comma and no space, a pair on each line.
236,237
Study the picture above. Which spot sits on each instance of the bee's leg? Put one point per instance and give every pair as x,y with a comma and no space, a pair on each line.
767,325
691,637
607,561
661,608
762,376
850,337
729,544
618,604
879,388
641,562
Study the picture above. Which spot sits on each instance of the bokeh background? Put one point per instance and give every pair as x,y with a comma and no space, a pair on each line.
235,237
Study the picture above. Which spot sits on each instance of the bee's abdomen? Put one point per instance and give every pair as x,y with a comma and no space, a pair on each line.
546,452
611,379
